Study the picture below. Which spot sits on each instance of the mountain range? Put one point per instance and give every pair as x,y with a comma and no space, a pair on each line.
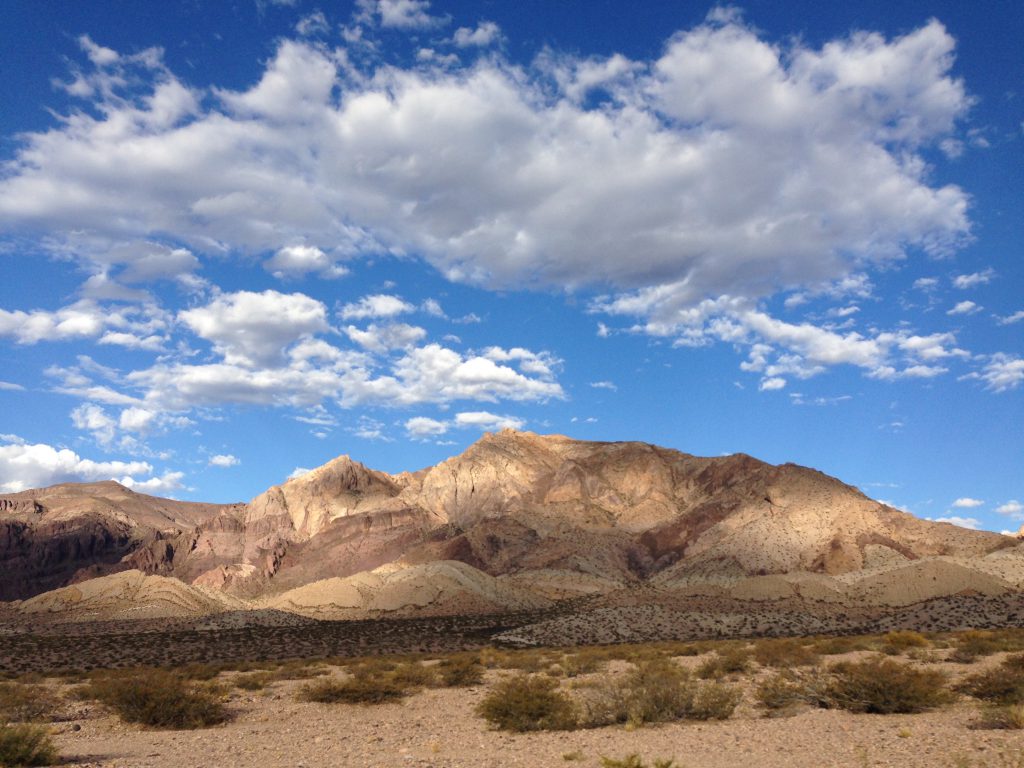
519,521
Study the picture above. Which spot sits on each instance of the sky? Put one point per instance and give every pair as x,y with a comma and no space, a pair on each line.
238,239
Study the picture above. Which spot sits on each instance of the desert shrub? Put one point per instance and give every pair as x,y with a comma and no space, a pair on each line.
358,689
903,640
528,703
884,686
714,701
781,691
198,671
254,681
412,674
836,646
1014,662
998,686
300,669
976,642
26,745
784,653
634,761
158,699
460,672
656,692
724,662
1004,717
20,703
582,663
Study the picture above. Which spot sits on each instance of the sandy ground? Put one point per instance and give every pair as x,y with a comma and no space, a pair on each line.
438,727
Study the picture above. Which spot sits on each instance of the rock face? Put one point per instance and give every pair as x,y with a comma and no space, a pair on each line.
516,511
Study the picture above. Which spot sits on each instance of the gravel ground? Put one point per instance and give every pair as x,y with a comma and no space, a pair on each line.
439,728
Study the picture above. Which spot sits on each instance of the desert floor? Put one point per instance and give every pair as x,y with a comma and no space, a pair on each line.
439,727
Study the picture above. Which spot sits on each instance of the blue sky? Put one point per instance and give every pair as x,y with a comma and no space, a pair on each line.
239,239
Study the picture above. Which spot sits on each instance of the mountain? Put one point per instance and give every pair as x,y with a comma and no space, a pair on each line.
516,522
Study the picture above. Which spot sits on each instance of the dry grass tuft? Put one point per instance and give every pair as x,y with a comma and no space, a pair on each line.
26,703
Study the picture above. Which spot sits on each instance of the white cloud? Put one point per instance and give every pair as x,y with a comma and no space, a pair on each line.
604,385
1013,508
403,14
967,503
135,419
92,418
224,460
252,329
963,522
526,184
485,34
386,337
8,386
25,466
421,427
486,421
299,260
976,278
926,283
432,308
1001,373
98,54
165,483
299,472
964,308
314,23
772,383
424,428
377,305
1016,317
80,320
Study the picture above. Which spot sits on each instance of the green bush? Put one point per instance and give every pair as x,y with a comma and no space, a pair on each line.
528,703
158,699
884,686
21,703
26,745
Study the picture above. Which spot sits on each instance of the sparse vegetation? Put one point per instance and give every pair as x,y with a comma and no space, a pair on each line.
725,661
1004,717
26,745
25,703
528,703
1000,685
634,761
898,642
460,672
358,689
883,686
784,653
158,699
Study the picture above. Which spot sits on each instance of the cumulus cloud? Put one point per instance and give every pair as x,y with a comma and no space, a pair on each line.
386,337
485,33
224,460
376,306
401,14
252,329
975,278
165,483
1013,508
964,308
1016,317
967,503
527,185
424,428
23,466
300,260
1001,373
